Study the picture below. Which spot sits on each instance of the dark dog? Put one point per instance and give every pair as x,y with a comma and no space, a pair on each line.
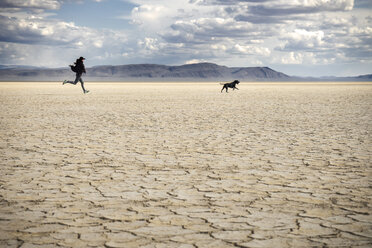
230,85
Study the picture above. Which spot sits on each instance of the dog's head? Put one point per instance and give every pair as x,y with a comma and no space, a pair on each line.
236,81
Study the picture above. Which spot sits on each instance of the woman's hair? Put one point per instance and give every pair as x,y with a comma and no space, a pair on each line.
78,61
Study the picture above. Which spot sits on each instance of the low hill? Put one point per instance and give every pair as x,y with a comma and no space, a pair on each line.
155,72
192,72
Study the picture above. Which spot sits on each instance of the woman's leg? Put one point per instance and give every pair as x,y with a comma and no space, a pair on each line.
82,84
78,76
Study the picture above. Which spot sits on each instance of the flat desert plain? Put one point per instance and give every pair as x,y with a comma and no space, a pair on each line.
184,165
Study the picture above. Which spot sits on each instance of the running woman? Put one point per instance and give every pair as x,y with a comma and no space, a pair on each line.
79,68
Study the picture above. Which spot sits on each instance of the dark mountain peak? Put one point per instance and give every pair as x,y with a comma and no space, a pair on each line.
258,72
368,76
198,70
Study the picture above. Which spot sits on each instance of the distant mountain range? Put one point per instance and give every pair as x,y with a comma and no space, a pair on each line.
154,72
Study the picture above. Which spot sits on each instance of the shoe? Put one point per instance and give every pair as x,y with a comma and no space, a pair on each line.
64,82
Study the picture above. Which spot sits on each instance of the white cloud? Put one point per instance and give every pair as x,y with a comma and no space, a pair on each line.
151,44
361,31
253,50
37,4
288,5
292,58
34,38
41,31
303,39
98,43
327,4
149,15
219,47
195,61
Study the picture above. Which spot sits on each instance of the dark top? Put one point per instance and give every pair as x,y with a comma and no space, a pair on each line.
80,68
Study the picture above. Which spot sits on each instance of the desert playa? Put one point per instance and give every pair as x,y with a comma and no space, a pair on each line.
183,165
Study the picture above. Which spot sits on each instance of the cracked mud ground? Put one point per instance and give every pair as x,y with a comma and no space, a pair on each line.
183,165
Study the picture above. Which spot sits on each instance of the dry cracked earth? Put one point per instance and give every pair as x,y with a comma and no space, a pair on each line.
183,165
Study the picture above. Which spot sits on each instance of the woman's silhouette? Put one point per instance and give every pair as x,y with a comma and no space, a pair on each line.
79,68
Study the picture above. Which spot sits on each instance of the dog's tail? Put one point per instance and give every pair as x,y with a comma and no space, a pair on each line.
222,83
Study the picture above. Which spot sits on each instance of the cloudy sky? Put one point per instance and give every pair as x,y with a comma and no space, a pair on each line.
297,37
